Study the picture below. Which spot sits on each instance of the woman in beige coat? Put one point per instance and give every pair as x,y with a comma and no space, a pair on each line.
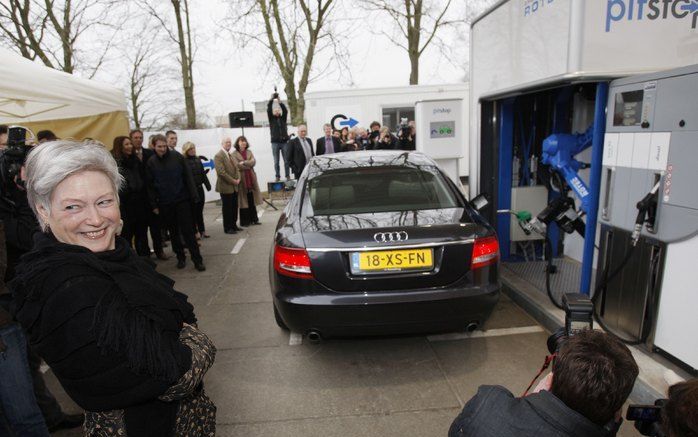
249,195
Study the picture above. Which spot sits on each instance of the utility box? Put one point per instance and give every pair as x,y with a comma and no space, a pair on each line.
440,133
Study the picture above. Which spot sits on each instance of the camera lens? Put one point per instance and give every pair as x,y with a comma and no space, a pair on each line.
556,340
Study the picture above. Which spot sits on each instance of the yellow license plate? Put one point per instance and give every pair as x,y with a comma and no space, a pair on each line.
390,260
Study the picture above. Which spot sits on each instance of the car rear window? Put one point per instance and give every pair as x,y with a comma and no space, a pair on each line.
383,189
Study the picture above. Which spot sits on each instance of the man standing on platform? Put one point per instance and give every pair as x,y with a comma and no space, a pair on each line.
227,185
277,114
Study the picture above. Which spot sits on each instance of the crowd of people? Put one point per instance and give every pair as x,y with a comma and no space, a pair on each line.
164,192
296,149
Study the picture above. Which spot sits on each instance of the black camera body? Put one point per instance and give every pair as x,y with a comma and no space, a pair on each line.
579,316
13,157
647,418
404,130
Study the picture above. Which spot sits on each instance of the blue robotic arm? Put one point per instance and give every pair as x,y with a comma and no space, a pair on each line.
559,151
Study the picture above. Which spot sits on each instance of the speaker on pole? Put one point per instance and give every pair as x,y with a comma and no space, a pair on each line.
241,119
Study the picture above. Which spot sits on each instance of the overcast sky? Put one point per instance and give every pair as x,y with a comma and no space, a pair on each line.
226,76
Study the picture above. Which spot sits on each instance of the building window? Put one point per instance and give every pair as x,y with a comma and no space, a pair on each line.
392,116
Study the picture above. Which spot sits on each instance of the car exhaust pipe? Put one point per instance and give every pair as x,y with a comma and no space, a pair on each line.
472,326
314,336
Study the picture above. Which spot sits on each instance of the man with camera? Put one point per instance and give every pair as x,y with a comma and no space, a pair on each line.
676,416
277,114
680,411
406,135
373,134
593,374
386,140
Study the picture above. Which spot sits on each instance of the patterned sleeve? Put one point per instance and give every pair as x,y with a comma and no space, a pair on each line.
203,352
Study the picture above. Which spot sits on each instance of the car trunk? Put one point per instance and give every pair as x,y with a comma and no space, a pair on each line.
334,245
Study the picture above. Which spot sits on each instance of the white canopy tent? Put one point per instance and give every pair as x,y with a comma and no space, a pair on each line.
39,97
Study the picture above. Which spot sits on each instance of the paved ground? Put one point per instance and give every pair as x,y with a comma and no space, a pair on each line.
396,386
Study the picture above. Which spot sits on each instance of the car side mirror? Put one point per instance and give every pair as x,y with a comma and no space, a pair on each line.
480,201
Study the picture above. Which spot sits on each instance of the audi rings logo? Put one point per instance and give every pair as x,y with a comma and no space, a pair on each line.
388,237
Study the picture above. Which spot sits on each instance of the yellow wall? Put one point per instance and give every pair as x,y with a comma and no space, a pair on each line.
102,127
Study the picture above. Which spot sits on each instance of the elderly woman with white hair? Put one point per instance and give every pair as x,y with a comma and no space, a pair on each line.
120,339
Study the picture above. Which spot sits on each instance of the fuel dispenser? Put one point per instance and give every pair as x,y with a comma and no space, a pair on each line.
647,271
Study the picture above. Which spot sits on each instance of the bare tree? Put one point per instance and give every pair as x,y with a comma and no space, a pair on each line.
418,23
54,31
295,35
148,99
177,26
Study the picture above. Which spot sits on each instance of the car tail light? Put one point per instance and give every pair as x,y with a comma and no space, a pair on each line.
292,262
485,252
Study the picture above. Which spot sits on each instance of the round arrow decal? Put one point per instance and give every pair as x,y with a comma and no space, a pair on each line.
349,122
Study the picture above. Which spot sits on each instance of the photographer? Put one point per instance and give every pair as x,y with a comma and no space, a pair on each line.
386,140
593,374
277,114
680,412
373,135
406,135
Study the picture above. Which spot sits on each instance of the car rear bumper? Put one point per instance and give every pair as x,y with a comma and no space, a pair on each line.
334,314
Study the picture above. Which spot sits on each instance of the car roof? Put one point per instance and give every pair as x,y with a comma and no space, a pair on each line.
368,158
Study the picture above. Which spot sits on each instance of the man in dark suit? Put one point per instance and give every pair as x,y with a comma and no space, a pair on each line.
154,220
328,143
301,150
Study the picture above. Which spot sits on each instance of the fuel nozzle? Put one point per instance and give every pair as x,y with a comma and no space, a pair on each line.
525,221
647,207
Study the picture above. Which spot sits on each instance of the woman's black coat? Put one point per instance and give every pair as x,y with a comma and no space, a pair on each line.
200,178
133,195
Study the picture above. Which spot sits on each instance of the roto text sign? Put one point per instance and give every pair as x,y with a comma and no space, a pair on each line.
639,10
532,6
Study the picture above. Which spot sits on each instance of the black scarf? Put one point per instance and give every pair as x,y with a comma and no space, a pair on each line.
137,316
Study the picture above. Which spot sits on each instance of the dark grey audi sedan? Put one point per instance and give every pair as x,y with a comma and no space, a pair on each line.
381,242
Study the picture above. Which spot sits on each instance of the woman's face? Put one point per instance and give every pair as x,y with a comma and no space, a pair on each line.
191,152
127,147
243,145
84,211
